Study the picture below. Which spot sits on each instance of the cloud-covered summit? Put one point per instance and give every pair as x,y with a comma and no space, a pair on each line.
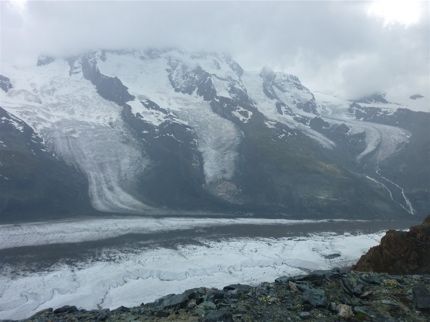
331,46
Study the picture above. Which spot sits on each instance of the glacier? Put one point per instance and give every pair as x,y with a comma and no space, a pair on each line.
129,278
83,230
207,95
82,128
147,76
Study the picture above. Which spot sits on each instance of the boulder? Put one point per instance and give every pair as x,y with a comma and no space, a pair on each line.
344,311
400,252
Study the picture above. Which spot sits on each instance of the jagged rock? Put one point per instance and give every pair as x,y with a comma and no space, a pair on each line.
400,252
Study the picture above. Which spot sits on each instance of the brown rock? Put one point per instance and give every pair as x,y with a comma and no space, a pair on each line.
400,252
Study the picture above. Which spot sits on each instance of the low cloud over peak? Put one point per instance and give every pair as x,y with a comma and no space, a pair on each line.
332,46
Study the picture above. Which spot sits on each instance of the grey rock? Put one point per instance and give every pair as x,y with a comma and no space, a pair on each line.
317,275
214,295
421,297
122,309
237,288
179,300
305,315
66,309
102,315
366,294
191,304
293,286
372,279
208,305
218,316
172,300
283,280
363,310
315,297
333,307
162,314
344,311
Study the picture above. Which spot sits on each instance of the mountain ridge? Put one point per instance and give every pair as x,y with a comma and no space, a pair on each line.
194,131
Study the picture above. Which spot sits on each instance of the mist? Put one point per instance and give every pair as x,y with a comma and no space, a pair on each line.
335,47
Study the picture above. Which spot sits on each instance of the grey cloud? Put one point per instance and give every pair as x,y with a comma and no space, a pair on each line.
333,46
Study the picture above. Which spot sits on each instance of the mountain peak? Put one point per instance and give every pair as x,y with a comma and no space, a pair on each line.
267,73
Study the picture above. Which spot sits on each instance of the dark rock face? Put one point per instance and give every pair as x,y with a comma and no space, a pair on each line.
400,252
34,184
5,83
110,88
320,296
186,80
44,60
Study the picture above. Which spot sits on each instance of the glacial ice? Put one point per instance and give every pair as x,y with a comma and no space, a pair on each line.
143,275
217,137
83,230
267,106
382,139
81,127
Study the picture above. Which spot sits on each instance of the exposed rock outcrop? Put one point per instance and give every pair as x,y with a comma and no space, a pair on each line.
400,252
320,296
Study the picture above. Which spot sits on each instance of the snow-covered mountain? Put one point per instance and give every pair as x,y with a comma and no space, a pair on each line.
156,131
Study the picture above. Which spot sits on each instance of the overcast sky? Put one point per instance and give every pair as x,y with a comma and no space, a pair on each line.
351,48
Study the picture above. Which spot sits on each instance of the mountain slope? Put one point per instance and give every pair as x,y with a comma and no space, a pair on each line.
158,131
33,182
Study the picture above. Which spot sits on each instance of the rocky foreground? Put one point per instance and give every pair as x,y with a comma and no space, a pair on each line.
320,296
